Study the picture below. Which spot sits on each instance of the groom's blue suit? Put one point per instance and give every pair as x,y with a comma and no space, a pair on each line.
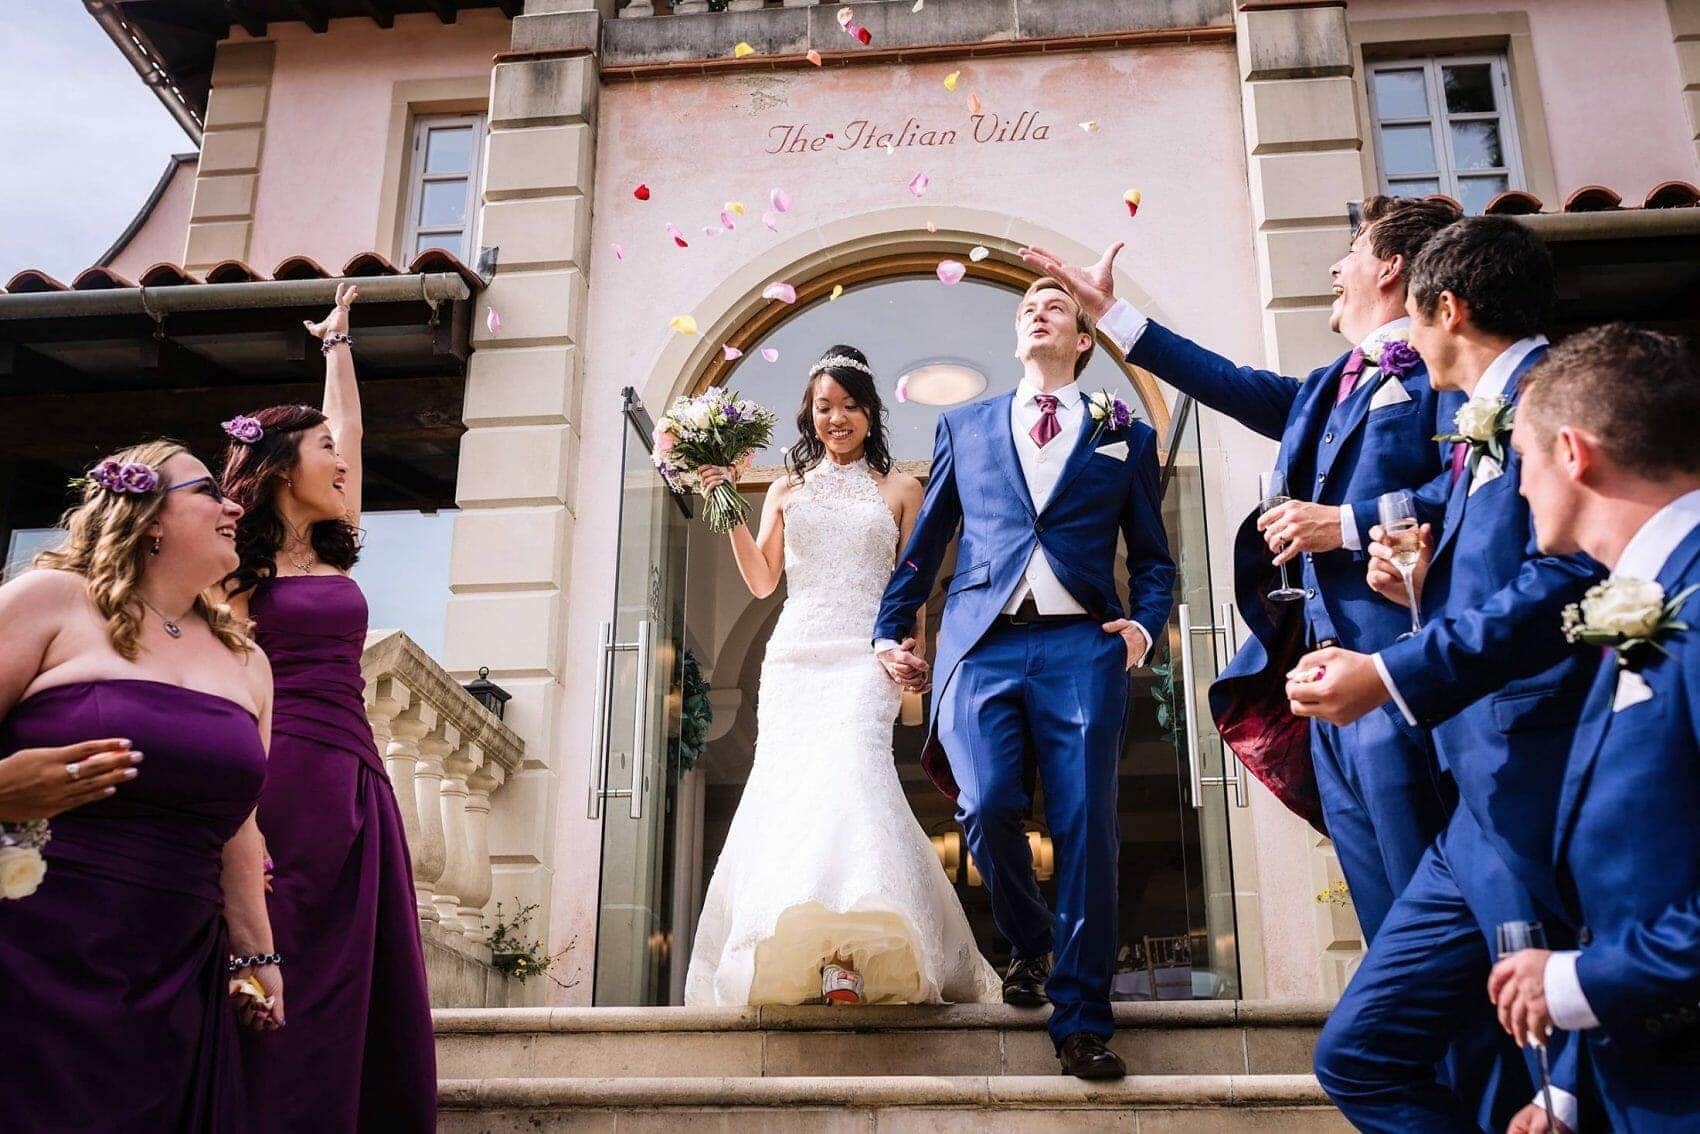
1050,694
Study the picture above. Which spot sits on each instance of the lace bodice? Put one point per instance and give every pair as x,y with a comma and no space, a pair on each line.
840,540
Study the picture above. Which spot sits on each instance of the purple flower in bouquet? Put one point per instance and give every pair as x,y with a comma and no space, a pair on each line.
244,429
712,429
1399,358
730,413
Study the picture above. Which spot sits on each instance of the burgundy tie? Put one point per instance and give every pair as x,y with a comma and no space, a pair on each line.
1460,453
1047,426
1349,377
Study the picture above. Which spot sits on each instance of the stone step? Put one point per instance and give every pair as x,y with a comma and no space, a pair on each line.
1017,1104
1192,1038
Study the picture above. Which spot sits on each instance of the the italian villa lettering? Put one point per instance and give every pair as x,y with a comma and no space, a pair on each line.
867,134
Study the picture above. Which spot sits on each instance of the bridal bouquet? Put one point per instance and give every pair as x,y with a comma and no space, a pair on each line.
713,428
21,865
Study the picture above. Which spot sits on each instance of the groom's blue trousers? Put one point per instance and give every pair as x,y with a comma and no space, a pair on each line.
1054,696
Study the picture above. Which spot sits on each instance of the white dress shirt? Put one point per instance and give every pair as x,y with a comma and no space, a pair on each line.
1124,324
1040,468
1490,386
1644,556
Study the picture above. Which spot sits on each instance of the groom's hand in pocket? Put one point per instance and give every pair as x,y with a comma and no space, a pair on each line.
907,668
1138,645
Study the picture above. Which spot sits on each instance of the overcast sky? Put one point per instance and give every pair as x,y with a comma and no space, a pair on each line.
82,141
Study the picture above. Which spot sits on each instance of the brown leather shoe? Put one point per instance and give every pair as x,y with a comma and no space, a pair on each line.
1084,1056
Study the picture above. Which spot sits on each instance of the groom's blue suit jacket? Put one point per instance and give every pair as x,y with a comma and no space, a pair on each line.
1345,456
976,481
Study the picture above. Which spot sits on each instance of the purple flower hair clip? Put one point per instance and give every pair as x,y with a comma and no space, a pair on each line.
1399,358
245,429
133,479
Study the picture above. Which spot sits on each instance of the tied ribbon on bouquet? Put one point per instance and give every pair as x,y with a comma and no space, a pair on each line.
714,428
1110,412
1483,424
1629,616
21,865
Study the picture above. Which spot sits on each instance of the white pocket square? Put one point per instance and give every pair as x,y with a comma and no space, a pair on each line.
1487,469
1632,689
1118,451
1391,393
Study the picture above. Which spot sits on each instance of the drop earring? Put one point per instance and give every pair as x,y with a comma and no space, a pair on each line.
154,550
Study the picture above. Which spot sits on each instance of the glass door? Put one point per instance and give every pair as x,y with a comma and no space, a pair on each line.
634,775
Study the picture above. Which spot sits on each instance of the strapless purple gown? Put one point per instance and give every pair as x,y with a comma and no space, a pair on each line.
357,1052
113,1014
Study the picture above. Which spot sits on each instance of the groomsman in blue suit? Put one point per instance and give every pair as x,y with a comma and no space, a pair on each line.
1605,433
1349,431
1491,674
1034,649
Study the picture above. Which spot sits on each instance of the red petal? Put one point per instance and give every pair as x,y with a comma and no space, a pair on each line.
641,192
864,35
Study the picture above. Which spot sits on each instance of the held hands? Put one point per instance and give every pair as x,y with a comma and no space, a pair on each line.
907,668
1094,287
1384,578
1517,986
1298,526
39,783
1134,635
336,323
1335,685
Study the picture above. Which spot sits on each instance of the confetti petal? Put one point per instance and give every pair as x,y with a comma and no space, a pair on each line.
678,237
845,15
919,4
781,291
980,252
1089,127
903,388
918,184
493,321
771,220
950,81
726,220
780,200
713,230
862,34
734,207
951,272
732,353
973,103
1131,198
890,149
742,50
770,354
641,192
619,251
683,324
813,57
931,227
837,290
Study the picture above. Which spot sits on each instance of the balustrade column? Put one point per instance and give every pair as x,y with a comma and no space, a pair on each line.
430,851
480,880
451,798
405,729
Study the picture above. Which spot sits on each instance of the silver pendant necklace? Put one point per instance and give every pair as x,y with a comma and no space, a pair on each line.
171,624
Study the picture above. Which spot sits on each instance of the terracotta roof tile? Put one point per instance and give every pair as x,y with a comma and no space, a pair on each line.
1672,195
1592,199
100,279
299,268
31,280
166,274
370,264
1513,203
232,271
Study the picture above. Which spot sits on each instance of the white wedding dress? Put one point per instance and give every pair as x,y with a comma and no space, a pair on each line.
824,856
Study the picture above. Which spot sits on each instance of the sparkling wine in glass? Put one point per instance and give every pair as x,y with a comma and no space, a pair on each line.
1399,531
1513,937
1272,493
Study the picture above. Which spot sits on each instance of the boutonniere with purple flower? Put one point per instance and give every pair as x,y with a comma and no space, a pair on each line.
1110,412
133,479
1395,358
245,429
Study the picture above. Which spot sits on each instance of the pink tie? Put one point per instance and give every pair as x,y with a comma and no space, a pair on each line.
1460,452
1349,377
1047,426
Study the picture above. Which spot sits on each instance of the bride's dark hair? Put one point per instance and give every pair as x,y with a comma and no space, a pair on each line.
810,449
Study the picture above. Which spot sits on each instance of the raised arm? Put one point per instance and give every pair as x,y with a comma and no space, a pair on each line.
342,393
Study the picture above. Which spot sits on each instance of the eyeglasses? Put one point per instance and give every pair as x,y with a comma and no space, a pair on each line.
205,485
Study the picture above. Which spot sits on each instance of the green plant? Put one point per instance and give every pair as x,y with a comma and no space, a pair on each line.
696,715
1163,692
512,954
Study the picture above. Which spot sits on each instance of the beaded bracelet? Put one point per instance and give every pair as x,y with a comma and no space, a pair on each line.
334,338
258,959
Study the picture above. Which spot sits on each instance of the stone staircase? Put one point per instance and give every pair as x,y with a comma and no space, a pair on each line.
1193,1066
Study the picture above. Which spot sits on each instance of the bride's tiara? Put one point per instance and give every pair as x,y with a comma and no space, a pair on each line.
839,362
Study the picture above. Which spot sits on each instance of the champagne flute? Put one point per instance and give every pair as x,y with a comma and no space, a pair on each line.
1272,493
1514,937
1399,531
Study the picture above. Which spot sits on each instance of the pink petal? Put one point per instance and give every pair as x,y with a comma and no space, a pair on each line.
732,353
813,57
918,184
781,201
493,321
726,220
619,251
770,354
781,291
678,237
951,272
845,15
903,388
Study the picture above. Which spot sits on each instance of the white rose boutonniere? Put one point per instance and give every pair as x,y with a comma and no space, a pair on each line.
1484,424
21,865
1631,616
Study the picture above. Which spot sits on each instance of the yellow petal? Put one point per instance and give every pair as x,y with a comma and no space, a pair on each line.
837,290
742,50
1089,127
684,324
950,81
735,207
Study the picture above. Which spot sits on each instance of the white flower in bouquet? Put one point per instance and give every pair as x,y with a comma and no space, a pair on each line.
715,428
21,865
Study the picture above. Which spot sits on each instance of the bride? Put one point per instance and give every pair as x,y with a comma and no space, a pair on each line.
827,886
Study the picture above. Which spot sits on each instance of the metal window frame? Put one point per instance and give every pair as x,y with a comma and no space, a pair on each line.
1439,120
417,179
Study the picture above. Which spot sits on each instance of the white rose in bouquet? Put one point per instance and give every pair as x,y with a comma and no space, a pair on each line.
21,871
1631,607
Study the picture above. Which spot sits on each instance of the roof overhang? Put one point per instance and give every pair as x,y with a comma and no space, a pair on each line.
1641,265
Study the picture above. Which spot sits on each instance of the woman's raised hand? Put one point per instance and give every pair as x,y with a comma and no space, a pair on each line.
336,323
39,783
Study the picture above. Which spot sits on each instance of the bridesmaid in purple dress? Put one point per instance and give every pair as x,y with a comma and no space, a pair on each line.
115,972
359,1053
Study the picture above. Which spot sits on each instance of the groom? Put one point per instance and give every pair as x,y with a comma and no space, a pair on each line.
1034,650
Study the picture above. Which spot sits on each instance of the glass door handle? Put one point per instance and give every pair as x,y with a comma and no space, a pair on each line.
640,716
599,741
1231,639
1195,761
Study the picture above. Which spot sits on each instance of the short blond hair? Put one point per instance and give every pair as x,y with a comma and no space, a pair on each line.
1083,322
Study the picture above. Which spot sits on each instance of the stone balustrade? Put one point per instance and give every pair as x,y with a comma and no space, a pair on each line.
446,755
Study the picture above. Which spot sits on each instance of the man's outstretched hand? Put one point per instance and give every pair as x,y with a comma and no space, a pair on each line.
1093,286
907,668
